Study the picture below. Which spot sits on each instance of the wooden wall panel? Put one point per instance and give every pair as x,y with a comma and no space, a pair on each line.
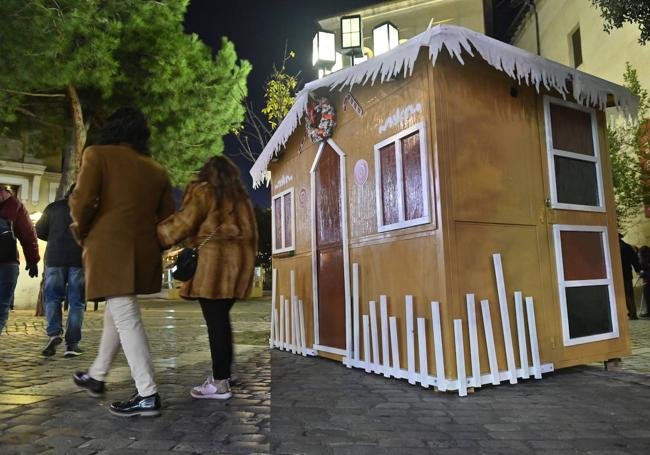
521,256
302,265
494,173
411,266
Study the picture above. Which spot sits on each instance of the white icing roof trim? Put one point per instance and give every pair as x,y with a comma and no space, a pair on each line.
520,65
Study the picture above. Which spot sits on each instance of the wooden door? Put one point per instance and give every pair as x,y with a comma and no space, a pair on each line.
581,226
329,250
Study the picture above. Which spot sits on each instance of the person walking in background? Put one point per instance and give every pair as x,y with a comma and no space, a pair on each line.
216,210
64,277
120,197
629,260
14,223
644,265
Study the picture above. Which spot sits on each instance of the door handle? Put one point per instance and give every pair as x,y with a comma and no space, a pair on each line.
547,202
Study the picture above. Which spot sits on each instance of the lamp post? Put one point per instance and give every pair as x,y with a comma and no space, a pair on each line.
357,60
323,50
338,65
384,38
352,35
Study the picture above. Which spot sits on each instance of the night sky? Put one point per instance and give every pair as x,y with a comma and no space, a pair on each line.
259,30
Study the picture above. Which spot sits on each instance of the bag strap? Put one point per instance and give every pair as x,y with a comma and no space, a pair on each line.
212,234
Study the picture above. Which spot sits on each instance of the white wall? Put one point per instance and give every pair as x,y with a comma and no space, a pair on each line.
603,54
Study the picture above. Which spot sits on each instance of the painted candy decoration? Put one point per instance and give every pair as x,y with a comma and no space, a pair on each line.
302,197
361,172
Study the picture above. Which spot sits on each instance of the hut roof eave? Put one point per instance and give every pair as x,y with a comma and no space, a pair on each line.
520,65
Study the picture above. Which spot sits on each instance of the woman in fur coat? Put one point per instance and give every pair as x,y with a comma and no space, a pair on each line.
216,206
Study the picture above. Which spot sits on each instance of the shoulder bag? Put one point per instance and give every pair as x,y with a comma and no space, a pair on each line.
185,266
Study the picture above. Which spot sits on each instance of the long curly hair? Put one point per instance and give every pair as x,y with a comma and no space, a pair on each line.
223,175
127,125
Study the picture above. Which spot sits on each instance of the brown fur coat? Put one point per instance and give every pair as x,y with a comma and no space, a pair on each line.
226,262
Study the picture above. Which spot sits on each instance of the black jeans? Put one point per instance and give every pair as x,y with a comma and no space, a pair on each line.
217,318
629,297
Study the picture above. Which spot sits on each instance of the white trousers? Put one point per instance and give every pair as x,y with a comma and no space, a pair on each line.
123,325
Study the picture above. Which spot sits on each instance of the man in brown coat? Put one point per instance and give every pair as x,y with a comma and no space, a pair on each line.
121,195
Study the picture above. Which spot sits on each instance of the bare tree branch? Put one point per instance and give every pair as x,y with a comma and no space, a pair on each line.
42,95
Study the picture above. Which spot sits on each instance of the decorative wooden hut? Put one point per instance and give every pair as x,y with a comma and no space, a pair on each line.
454,223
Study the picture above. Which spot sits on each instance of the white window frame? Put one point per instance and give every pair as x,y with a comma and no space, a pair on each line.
396,139
280,196
563,284
552,152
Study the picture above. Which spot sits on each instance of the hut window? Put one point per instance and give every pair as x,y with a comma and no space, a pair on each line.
574,157
283,208
587,303
401,176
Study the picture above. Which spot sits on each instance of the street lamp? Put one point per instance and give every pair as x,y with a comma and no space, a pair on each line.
338,65
384,38
357,60
323,49
351,35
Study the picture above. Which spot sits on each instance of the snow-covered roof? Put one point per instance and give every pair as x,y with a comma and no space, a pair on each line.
517,63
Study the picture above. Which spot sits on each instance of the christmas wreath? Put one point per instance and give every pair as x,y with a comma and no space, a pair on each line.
320,120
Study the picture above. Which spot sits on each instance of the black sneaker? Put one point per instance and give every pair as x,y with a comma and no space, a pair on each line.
94,387
52,343
72,350
137,406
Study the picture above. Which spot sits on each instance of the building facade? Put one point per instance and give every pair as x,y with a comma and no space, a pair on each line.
571,32
399,20
32,171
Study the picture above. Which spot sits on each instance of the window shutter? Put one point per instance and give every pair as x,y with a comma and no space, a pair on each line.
389,184
412,169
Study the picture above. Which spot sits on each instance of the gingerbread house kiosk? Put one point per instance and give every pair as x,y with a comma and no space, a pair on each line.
453,224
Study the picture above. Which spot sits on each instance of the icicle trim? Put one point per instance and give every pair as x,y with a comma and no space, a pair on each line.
520,65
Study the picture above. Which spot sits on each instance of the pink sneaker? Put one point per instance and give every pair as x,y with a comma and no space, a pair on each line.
212,390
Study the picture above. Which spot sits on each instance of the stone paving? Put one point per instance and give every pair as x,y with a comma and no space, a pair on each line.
42,412
321,408
639,361
306,405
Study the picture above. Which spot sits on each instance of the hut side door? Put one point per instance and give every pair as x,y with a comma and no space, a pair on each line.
329,250
583,233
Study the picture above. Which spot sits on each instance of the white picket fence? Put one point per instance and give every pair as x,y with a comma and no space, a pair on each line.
288,333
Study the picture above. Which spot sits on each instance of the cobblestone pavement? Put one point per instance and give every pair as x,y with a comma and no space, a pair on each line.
306,405
321,408
639,361
42,412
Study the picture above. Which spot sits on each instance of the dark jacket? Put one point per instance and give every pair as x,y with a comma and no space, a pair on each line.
54,227
629,259
644,264
13,210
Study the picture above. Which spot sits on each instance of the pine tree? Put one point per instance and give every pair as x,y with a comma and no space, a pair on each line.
96,55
